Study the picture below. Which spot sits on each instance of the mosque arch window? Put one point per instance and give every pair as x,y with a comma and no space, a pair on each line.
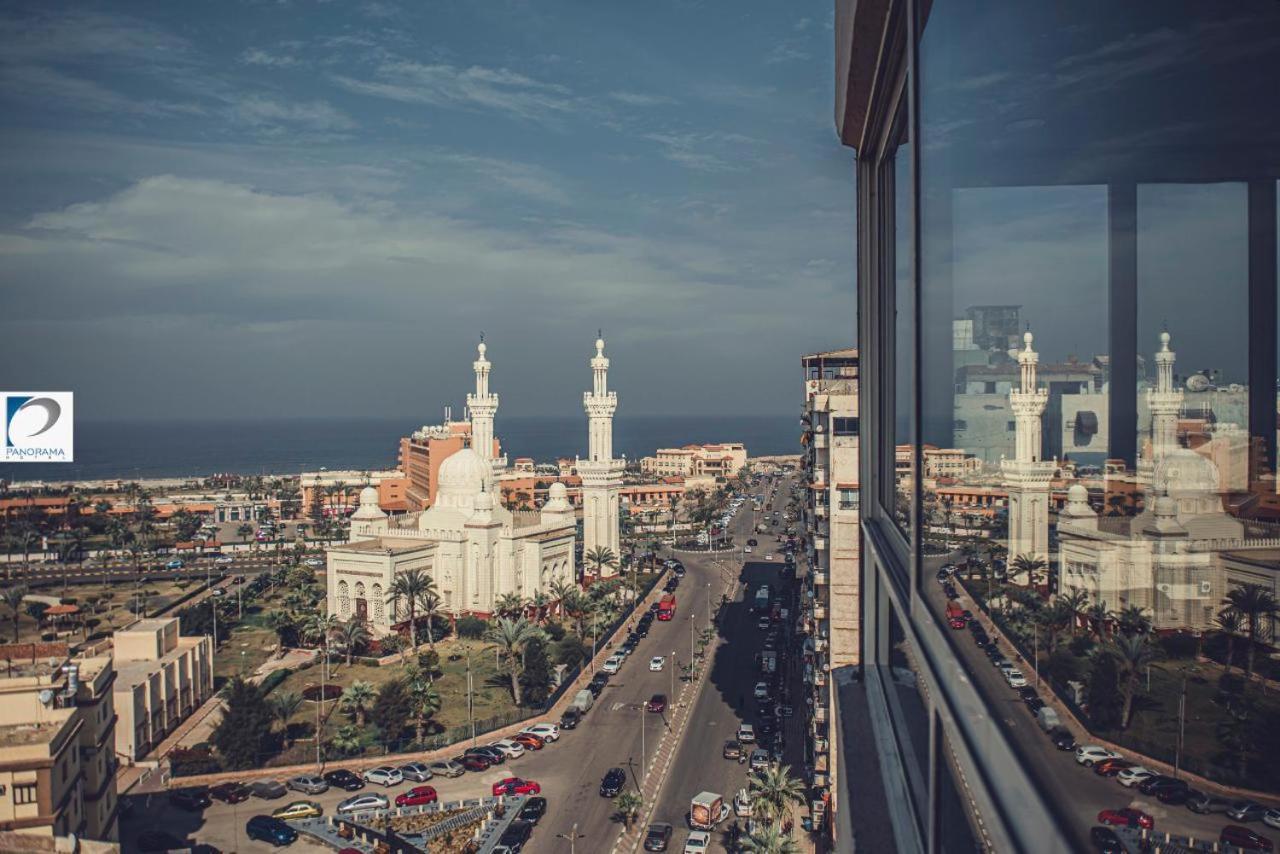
344,600
379,604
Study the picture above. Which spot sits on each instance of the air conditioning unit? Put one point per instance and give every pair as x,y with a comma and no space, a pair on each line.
1206,587
1163,588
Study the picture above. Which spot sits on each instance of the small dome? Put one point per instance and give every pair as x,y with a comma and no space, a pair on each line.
368,509
481,348
1166,506
368,495
484,501
557,490
1077,493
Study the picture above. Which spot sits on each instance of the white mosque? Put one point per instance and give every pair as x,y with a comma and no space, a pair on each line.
475,549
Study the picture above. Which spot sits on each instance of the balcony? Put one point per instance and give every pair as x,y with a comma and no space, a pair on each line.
820,714
820,510
819,543
819,440
821,746
820,677
820,644
820,579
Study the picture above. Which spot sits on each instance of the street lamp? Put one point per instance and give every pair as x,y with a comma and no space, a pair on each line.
573,835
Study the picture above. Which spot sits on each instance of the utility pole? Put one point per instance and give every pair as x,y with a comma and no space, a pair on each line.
673,676
572,836
643,766
1182,722
470,704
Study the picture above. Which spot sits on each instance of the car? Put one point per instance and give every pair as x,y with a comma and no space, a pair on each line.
732,749
493,754
1246,811
1112,767
513,749
219,592
1089,755
1173,796
176,563
614,780
544,731
472,762
528,741
571,717
341,778
223,560
769,556
516,786
384,775
515,836
1062,738
363,803
1104,840
625,650
642,628
1204,804
268,790
417,796
657,704
1014,677
746,550
298,809
419,772
658,836
1034,705
657,663
533,810
752,542
230,793
447,768
612,664
1127,817
1271,818
598,682
158,840
1243,837
273,831
698,842
761,691
192,799
759,759
1155,784
746,733
1026,692
763,623
742,806
313,562
1131,777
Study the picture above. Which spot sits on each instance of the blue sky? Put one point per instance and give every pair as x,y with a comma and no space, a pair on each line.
305,208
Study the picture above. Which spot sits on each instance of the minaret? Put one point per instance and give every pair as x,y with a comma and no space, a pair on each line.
601,474
1027,476
483,406
1164,403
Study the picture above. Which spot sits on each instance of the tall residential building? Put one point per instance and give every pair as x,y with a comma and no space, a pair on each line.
57,742
601,474
1096,172
830,594
422,453
719,460
161,678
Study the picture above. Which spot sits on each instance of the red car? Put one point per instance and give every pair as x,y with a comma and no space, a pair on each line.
1243,837
529,740
657,703
416,796
471,762
1112,767
1127,817
516,786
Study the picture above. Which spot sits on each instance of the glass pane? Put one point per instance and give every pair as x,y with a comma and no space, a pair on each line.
904,338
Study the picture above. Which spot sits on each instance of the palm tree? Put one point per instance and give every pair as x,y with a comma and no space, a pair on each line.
1076,602
510,636
283,707
408,586
600,558
769,839
774,789
1230,623
320,626
560,590
1053,619
351,635
357,700
429,605
1258,607
244,532
1132,654
283,624
629,804
13,598
509,605
539,603
424,698
1133,620
1029,564
1098,617
347,740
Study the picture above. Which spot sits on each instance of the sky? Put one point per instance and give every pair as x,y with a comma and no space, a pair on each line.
305,208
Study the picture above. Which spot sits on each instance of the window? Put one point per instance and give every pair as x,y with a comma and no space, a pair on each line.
848,499
845,426
24,793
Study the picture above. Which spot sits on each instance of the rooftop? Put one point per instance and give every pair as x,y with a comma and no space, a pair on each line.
21,735
386,545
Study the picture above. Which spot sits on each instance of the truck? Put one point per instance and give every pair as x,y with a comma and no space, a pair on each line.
707,810
768,661
582,700
955,615
667,607
762,598
1048,719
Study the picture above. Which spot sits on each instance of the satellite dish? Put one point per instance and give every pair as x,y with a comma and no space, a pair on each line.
46,697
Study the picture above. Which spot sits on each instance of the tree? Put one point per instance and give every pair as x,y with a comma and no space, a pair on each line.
629,804
357,700
510,637
560,590
769,839
1133,621
1077,603
1105,701
1230,624
536,678
408,586
509,605
285,625
429,604
391,709
347,740
1132,654
1098,617
351,636
244,532
571,651
13,598
35,610
600,558
1028,564
319,627
774,789
424,700
1258,608
243,734
284,706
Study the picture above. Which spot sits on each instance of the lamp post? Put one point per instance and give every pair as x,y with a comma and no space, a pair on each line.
643,765
573,835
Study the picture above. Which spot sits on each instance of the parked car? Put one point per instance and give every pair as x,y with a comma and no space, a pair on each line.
174,564
223,560
493,754
419,772
417,796
516,786
759,759
268,790
732,749
447,768
1204,804
746,733
597,683
314,562
361,803
761,691
1246,811
341,778
658,836
657,704
1062,739
193,799
1104,840
230,793
1090,754
1112,767
515,836
1161,782
614,780
384,775
1127,817
533,810
544,731
472,762
1174,796
571,717
1271,818
1131,777
657,663
698,842
528,741
1243,837
513,749
273,831
298,809
1014,677
612,664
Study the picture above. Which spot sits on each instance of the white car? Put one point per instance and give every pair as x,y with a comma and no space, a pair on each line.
1131,777
746,733
1090,754
384,775
314,561
1271,818
742,804
612,664
657,663
746,550
546,732
769,556
513,749
1015,678
225,559
760,760
360,803
699,842
762,691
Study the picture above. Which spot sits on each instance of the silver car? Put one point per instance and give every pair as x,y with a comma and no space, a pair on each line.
308,784
419,772
447,768
361,803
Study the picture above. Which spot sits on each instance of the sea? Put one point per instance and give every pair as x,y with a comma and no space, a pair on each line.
136,450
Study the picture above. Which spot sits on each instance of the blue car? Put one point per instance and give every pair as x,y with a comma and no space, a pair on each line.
270,830
174,564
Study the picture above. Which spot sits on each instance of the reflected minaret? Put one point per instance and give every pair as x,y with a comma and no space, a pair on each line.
1027,476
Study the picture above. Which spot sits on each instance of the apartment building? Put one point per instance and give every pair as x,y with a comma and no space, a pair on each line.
161,678
338,492
1089,166
57,742
720,460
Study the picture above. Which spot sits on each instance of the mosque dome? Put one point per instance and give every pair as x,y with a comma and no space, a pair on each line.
1078,502
368,509
1183,471
1077,493
463,472
557,490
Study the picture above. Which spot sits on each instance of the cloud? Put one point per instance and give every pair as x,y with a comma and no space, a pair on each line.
691,149
50,87
64,36
638,99
260,111
257,56
786,51
477,87
522,178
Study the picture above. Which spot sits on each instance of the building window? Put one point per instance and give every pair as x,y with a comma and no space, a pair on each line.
845,426
24,793
848,499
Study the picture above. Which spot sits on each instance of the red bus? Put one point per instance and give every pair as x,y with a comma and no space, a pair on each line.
667,607
955,615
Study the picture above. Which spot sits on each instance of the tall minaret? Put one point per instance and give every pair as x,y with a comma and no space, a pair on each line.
483,406
1164,402
601,474
1027,476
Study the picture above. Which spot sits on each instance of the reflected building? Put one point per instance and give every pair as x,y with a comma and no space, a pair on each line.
1027,475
